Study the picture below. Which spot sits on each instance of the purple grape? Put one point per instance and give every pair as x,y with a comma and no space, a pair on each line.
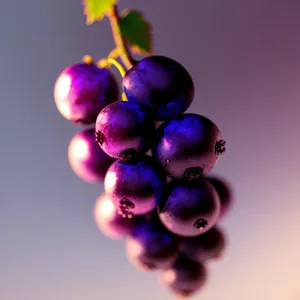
109,221
189,208
135,187
82,90
206,246
124,130
150,246
188,146
86,158
185,278
161,84
225,193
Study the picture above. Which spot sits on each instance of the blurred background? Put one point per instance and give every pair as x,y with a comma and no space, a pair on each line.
244,57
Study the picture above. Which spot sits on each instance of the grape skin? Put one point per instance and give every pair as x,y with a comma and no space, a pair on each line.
139,183
207,246
82,90
187,142
86,158
109,221
185,277
150,246
189,208
124,130
225,193
161,84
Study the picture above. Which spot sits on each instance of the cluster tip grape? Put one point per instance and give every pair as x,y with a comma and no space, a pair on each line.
154,160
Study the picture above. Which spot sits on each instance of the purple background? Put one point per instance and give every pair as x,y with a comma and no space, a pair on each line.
244,57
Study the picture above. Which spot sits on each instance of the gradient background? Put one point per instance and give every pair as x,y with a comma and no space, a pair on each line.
244,57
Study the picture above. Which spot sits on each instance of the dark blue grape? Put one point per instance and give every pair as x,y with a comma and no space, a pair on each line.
150,246
185,278
86,158
82,90
188,146
124,130
225,193
189,208
161,84
135,187
109,221
208,245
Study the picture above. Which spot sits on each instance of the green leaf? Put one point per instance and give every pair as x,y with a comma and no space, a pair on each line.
95,10
136,31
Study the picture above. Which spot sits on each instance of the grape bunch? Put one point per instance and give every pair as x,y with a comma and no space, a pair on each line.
154,160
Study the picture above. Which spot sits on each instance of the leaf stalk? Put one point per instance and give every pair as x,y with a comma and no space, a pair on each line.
120,42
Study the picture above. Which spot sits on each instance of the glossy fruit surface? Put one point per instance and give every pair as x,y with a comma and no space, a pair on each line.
109,221
208,245
150,246
86,158
124,130
161,84
135,187
225,193
189,208
188,146
82,90
185,278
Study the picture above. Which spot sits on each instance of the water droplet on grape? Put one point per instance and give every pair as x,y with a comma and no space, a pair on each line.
193,173
200,224
167,161
128,155
124,208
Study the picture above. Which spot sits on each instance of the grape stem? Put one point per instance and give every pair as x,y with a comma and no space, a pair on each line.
107,62
124,54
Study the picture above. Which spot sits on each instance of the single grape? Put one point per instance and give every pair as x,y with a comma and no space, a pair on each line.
150,246
135,186
189,208
188,146
124,130
185,278
86,158
82,90
161,84
109,221
206,246
225,193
